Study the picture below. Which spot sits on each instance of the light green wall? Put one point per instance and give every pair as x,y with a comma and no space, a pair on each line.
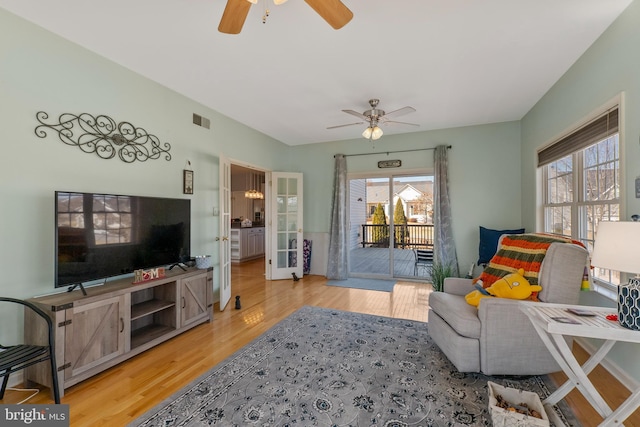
42,72
608,67
484,182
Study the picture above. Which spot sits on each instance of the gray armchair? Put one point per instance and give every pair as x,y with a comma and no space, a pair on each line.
497,338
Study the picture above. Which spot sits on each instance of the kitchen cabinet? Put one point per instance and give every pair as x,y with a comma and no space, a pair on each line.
247,243
236,244
255,242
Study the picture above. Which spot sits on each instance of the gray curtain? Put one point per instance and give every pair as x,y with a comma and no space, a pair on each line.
338,267
444,249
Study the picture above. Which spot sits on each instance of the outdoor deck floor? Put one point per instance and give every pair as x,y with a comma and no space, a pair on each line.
375,261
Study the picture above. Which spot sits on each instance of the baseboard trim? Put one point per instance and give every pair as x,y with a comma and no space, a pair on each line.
618,373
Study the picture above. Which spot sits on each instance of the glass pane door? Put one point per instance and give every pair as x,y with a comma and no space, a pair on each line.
369,228
225,232
391,226
287,216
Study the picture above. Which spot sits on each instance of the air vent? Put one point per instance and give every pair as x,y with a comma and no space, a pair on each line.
201,121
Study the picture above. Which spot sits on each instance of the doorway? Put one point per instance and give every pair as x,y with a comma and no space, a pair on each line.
390,225
248,214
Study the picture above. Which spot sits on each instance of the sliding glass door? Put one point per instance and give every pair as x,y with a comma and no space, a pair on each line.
390,224
368,228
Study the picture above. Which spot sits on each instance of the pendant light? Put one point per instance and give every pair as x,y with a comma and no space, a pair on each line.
254,192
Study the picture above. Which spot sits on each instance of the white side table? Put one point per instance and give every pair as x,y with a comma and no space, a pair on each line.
544,317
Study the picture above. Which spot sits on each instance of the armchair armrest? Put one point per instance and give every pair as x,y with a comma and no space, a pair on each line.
509,344
457,285
505,312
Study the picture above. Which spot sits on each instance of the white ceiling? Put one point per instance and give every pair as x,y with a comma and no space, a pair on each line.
457,62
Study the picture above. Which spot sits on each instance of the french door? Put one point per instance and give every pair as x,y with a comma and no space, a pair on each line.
286,237
225,231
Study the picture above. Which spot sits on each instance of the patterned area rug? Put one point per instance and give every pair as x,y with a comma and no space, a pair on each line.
323,367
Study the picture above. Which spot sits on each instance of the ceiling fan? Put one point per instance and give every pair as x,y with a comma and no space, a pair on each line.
236,11
375,117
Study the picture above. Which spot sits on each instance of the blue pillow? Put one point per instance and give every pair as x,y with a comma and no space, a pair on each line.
489,242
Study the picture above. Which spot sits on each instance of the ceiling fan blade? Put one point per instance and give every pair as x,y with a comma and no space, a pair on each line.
341,126
332,11
355,113
233,17
401,111
398,123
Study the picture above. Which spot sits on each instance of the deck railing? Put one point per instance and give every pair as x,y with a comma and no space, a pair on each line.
406,236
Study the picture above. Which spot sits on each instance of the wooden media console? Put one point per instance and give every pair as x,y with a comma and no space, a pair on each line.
117,321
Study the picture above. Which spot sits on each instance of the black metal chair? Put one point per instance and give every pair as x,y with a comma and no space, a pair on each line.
424,258
17,357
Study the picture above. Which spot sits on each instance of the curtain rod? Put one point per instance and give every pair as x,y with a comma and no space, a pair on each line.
389,152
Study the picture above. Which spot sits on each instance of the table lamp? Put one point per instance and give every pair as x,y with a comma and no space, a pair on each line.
617,247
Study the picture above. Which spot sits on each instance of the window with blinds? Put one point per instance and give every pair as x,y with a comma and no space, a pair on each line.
581,185
590,134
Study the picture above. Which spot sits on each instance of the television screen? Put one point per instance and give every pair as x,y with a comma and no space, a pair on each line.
105,235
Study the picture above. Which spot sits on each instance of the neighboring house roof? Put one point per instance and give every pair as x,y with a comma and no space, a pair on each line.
377,192
409,193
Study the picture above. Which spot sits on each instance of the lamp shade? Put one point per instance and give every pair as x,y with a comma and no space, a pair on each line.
376,133
367,132
617,246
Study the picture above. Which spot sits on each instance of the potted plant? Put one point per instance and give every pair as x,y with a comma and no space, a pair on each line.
439,272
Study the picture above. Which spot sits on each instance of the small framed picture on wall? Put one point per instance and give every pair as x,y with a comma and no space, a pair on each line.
187,181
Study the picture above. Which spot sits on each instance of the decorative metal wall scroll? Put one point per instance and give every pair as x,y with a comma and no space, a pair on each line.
102,136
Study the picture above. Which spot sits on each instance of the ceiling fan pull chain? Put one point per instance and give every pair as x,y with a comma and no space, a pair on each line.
266,12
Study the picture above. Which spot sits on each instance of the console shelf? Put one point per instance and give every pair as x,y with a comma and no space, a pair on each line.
148,333
116,321
149,307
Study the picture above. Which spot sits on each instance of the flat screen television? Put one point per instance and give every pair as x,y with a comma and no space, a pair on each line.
105,235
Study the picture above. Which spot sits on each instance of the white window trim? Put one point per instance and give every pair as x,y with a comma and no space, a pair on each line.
606,289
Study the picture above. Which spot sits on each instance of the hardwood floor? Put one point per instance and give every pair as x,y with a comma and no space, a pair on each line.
124,392
376,261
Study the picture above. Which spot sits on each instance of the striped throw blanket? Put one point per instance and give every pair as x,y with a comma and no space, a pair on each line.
524,251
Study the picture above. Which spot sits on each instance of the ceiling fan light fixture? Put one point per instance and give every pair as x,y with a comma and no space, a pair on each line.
374,117
278,2
367,132
376,133
372,132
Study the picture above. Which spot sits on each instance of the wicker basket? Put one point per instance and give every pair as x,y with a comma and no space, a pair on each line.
203,262
503,418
